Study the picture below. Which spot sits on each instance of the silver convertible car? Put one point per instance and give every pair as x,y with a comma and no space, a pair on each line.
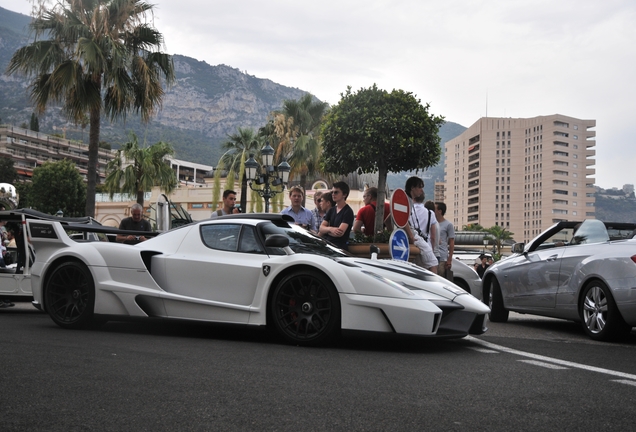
580,271
251,269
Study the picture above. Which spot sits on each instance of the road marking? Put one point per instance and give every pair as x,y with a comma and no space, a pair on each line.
543,364
484,350
552,360
632,383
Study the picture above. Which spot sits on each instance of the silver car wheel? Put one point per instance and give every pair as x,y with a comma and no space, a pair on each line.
599,314
595,310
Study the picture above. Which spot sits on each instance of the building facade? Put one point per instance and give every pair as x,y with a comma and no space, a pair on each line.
521,174
29,149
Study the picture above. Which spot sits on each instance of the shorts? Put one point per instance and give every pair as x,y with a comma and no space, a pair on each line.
426,258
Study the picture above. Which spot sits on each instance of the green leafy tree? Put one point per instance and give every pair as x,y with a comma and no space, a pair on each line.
58,186
8,173
34,124
373,130
95,56
498,236
135,170
237,148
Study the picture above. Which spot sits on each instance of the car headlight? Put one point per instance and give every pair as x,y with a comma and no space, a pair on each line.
389,282
454,289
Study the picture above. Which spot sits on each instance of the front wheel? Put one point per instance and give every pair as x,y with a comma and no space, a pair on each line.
69,295
498,313
305,308
601,318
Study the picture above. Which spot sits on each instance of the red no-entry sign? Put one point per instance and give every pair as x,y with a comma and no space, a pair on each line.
400,207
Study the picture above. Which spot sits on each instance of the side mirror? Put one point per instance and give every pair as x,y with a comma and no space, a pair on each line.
277,240
518,248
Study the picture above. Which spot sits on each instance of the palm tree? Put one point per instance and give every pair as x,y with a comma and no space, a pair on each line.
95,56
135,170
298,127
499,235
237,149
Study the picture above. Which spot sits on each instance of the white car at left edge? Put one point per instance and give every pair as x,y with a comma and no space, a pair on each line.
250,269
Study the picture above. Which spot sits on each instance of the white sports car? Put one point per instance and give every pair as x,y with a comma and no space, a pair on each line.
253,269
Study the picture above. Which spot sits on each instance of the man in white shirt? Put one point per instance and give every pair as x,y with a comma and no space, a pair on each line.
422,222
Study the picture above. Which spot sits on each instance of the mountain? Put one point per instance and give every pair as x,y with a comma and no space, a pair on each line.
205,105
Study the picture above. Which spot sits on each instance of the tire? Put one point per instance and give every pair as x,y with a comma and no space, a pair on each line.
69,295
601,319
305,309
498,313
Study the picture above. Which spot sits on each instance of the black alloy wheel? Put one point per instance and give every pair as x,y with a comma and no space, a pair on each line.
305,308
69,295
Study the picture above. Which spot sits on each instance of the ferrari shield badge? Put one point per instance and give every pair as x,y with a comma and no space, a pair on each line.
266,270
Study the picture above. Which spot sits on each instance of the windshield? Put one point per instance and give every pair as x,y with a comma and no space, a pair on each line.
300,240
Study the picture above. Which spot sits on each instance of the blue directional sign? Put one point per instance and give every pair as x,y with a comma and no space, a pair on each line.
399,244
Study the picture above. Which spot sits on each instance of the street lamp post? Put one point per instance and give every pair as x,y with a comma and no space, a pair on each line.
485,243
279,175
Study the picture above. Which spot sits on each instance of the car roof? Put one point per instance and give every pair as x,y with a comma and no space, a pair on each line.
16,215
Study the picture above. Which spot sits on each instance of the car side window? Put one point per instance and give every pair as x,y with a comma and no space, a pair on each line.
559,239
249,243
221,236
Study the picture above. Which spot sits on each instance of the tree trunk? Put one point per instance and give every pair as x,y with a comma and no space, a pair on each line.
92,174
379,208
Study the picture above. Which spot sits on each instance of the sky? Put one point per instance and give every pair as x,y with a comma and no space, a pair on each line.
466,58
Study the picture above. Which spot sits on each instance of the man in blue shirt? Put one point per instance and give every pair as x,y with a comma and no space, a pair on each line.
302,216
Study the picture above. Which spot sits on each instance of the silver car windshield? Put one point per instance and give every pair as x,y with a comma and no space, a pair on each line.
590,231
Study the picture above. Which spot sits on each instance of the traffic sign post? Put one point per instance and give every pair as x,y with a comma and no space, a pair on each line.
400,208
399,244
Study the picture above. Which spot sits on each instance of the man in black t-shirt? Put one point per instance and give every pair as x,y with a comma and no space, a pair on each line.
338,221
133,223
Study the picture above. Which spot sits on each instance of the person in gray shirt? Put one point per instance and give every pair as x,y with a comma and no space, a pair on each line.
446,234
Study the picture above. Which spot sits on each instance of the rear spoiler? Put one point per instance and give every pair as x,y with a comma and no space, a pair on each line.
39,229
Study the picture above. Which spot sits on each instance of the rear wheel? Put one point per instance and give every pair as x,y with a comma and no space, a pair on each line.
498,313
305,308
601,318
69,295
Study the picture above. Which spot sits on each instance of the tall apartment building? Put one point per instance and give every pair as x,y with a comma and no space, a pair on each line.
29,149
521,174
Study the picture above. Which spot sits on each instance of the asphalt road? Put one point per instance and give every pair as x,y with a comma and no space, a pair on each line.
529,374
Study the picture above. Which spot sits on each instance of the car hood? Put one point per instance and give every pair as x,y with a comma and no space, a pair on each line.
399,279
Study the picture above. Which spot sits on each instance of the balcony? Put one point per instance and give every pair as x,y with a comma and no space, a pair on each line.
473,192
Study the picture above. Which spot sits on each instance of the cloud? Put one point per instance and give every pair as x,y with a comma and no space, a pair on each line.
503,58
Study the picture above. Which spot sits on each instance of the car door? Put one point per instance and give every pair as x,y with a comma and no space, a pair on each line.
220,263
532,279
589,239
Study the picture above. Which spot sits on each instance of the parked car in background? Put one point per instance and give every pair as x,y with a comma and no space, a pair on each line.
467,278
15,283
580,271
251,269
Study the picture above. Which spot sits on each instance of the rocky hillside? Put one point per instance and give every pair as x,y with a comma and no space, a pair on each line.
206,103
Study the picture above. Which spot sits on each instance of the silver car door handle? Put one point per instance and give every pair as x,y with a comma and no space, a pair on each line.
552,257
